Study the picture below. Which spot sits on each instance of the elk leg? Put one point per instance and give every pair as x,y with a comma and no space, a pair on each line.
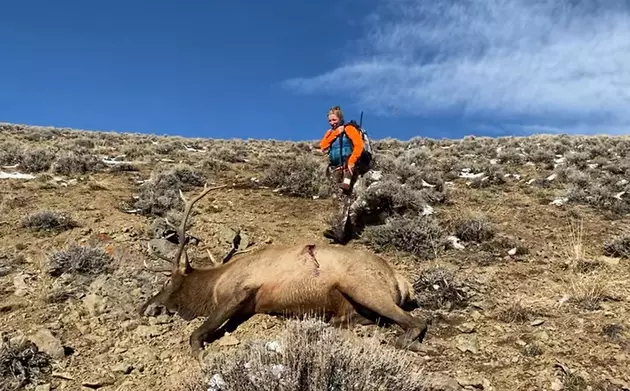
414,329
233,313
351,320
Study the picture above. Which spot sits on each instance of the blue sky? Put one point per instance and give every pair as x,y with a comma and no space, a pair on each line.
254,69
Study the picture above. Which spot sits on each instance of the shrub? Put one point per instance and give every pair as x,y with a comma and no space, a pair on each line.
73,163
82,260
49,221
436,288
21,364
160,194
474,229
618,247
37,160
388,197
311,356
10,154
303,176
420,236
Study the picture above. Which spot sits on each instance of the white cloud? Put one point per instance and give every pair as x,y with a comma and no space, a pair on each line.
547,62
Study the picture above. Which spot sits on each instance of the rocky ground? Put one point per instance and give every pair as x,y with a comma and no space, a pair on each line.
518,249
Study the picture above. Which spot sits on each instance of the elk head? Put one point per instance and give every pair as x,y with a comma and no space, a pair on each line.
180,265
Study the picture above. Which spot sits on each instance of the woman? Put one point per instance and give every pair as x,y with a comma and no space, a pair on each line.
347,162
344,144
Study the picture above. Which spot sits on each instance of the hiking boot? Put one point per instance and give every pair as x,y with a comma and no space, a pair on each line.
336,235
330,234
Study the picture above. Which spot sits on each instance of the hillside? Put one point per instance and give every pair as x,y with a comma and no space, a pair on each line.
518,249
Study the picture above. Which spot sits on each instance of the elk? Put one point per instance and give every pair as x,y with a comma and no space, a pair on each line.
347,286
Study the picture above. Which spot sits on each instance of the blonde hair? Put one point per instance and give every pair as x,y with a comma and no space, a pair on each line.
336,110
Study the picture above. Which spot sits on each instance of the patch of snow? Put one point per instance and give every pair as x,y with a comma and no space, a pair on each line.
455,242
114,162
467,174
425,184
560,160
559,201
15,175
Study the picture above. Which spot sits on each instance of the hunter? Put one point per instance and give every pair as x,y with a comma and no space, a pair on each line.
349,159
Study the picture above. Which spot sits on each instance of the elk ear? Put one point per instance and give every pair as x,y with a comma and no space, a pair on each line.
184,267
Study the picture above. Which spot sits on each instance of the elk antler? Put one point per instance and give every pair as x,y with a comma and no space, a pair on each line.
167,271
179,265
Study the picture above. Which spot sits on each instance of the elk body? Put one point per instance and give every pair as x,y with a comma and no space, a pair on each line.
346,286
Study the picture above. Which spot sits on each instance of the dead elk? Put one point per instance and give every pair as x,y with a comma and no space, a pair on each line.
347,286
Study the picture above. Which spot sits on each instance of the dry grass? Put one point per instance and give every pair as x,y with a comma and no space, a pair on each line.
588,292
311,355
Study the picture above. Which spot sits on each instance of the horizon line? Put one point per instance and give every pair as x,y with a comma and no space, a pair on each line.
410,139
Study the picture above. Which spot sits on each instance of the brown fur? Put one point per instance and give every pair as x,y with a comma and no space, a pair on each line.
346,286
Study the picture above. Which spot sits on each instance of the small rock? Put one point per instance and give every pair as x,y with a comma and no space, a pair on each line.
229,340
620,383
5,270
608,260
163,319
474,381
125,368
148,331
18,340
512,251
48,343
466,327
216,383
19,283
94,304
542,336
476,315
468,343
537,322
99,382
557,385
443,383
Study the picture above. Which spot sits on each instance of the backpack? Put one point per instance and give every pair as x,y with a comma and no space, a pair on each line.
367,147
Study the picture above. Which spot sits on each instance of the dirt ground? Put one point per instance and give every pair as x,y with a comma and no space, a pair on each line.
530,316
